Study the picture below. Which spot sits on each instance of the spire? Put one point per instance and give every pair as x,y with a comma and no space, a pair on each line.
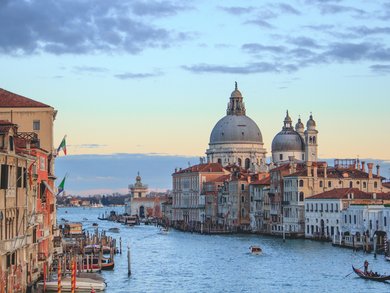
287,122
236,105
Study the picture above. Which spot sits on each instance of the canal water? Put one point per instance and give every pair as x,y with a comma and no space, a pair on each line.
185,262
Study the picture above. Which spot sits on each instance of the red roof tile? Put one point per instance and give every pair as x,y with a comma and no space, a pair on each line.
209,167
11,100
342,193
263,181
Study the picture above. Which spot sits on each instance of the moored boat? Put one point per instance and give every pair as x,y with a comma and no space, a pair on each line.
114,230
256,250
371,275
164,230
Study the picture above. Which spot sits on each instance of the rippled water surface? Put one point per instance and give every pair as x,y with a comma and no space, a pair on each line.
185,262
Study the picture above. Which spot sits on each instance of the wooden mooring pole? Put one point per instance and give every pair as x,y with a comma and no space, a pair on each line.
128,261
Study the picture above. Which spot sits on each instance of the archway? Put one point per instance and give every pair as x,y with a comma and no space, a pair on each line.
142,212
322,228
247,163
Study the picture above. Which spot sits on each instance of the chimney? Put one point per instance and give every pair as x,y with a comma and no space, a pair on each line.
308,165
315,171
378,170
325,170
370,165
363,167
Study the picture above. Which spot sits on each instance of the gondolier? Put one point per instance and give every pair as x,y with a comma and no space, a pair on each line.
366,266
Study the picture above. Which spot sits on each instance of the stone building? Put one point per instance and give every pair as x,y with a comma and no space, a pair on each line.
236,138
27,201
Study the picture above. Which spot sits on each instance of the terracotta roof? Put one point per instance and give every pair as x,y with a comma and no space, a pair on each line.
342,193
209,167
333,173
386,184
11,100
264,181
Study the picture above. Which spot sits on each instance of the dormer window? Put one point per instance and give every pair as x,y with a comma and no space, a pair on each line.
11,143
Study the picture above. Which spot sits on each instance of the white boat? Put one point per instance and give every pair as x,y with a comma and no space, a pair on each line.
256,250
82,285
164,230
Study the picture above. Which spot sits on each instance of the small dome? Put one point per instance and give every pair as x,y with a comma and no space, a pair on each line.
236,94
236,129
287,119
288,140
299,125
311,124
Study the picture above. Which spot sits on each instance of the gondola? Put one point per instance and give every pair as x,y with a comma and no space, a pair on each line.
379,278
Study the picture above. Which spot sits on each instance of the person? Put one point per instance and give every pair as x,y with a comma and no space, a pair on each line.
365,266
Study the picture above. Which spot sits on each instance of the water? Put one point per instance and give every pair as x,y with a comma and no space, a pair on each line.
185,262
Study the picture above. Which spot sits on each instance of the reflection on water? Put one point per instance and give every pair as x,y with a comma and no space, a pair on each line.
185,262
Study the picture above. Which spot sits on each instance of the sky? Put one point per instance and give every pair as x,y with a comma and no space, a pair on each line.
154,77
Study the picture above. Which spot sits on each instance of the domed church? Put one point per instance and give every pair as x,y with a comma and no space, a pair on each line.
236,138
299,143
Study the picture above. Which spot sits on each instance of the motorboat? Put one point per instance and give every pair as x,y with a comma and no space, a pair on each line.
256,250
164,230
83,285
114,230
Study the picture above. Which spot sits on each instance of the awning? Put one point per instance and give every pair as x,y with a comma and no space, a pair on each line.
48,187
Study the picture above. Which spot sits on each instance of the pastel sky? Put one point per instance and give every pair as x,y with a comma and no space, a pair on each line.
155,76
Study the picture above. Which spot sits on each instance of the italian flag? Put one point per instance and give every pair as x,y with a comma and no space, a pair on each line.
61,187
62,146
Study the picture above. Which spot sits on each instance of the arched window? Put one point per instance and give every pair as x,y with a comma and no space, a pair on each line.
247,163
220,161
301,183
301,196
375,184
350,184
314,139
239,162
364,185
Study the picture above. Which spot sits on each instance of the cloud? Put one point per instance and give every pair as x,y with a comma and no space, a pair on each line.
363,31
336,9
304,42
357,51
259,22
254,48
90,69
380,68
257,67
87,146
287,9
80,27
131,75
158,8
237,10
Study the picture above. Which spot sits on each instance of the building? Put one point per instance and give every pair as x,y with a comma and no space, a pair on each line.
30,116
349,216
299,143
236,138
27,200
144,204
260,204
188,209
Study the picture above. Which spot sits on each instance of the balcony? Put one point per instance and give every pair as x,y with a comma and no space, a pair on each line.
12,244
41,256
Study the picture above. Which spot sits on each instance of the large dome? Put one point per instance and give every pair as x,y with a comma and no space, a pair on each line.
288,140
236,129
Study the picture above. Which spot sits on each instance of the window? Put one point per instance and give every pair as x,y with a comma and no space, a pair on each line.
350,219
311,209
281,157
329,183
350,184
36,125
219,161
370,224
322,208
321,183
301,183
1,141
242,199
301,196
242,186
247,163
345,218
316,207
139,194
4,176
239,162
354,219
19,178
384,221
375,184
331,207
11,143
364,185
303,157
42,163
337,208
